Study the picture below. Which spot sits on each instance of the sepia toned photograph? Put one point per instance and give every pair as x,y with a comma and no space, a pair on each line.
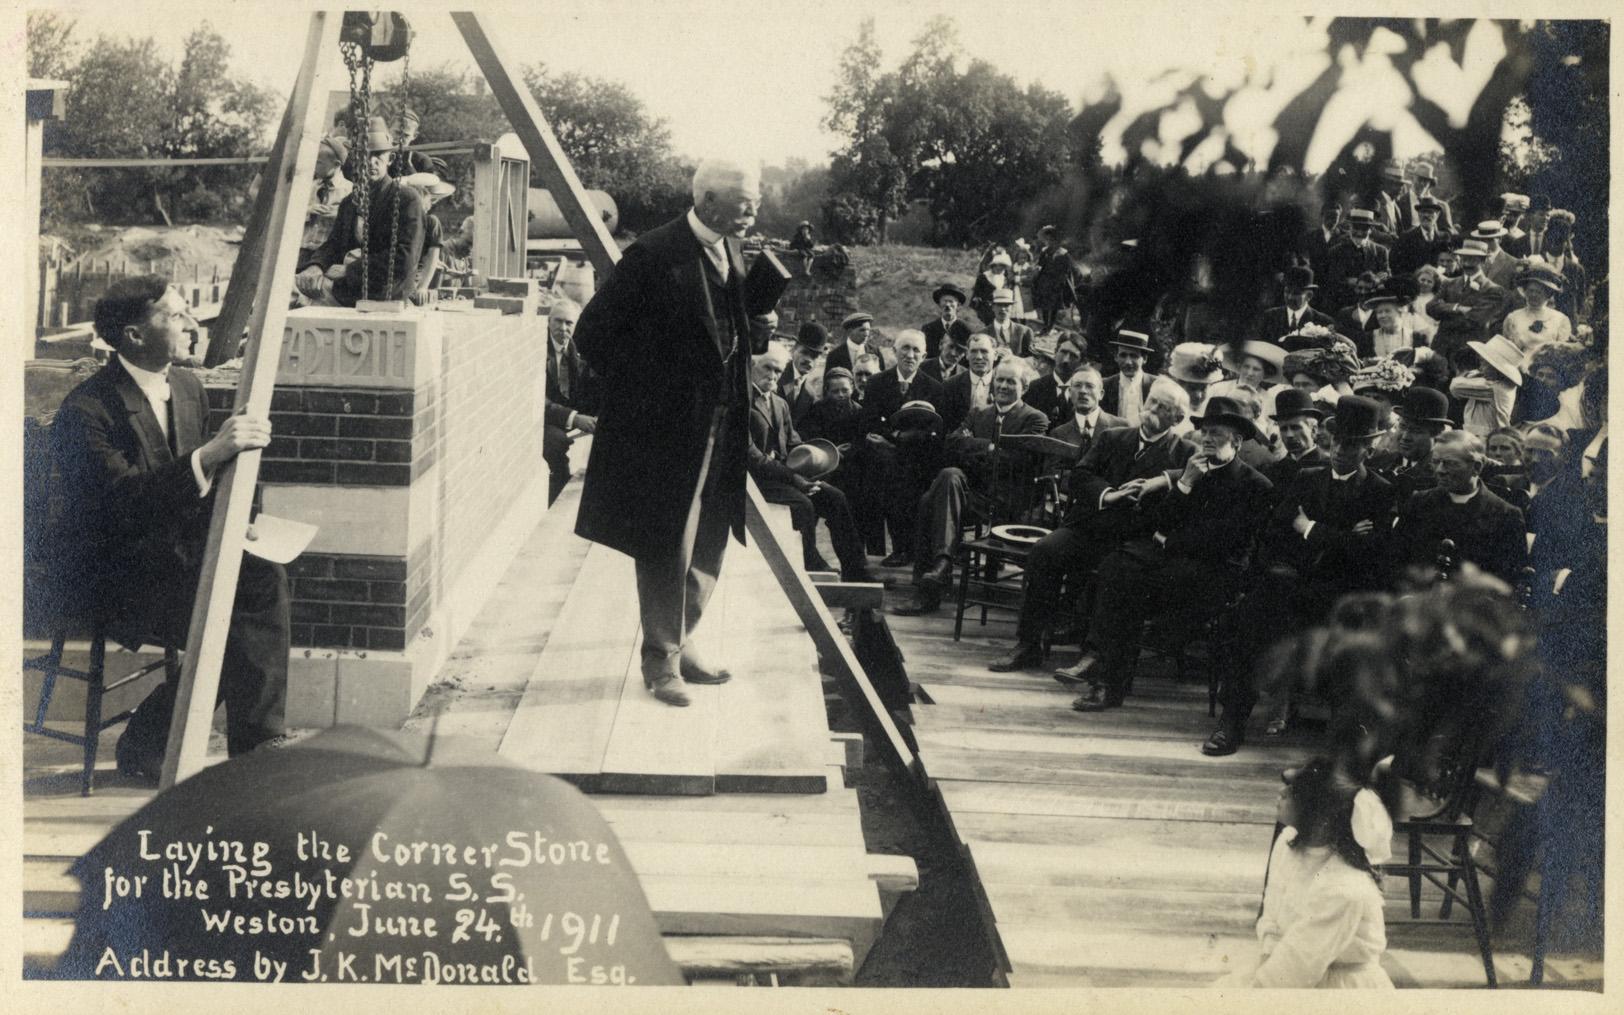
849,498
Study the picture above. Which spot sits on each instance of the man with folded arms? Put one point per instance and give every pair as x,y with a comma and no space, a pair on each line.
1103,513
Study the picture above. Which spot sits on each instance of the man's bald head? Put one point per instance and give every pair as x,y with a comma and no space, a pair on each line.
727,195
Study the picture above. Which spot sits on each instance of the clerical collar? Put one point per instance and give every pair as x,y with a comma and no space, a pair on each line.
1343,477
708,236
1462,498
157,380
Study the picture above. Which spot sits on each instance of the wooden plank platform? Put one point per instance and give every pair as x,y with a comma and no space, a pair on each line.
1107,850
586,716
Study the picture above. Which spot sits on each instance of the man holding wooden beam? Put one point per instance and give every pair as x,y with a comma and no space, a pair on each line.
669,337
136,475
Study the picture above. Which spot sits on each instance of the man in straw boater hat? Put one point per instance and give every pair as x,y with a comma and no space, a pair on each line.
897,462
1423,415
1467,308
1489,392
949,300
668,334
1294,314
1485,530
1327,529
796,478
1499,264
1203,524
1355,255
1127,389
973,451
858,328
394,237
1103,513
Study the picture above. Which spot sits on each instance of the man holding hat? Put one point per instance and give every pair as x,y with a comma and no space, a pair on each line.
1326,530
1103,513
1486,530
1006,332
1468,307
1490,391
897,462
1298,420
1420,245
394,238
1538,322
948,298
1202,528
971,449
1423,415
1126,390
794,386
858,327
1278,322
1357,254
331,188
796,479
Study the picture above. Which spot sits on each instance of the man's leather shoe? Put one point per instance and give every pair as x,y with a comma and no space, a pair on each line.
939,575
694,672
1224,740
817,563
1097,698
898,559
926,600
1023,656
1077,673
670,689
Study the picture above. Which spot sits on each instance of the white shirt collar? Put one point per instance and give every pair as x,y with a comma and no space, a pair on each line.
1090,421
708,236
154,384
1343,477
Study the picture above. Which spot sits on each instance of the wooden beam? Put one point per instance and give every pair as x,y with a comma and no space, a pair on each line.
235,160
234,481
239,298
832,645
851,595
546,154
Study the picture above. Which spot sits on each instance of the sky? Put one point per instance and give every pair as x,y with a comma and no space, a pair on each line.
749,79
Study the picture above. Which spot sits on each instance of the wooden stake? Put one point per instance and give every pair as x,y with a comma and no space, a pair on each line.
234,481
545,152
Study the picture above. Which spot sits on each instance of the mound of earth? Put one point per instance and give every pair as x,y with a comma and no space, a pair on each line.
177,251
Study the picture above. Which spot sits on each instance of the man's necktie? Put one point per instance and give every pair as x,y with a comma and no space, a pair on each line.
169,419
563,377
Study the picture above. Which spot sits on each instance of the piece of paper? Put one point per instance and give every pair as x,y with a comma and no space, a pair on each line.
278,540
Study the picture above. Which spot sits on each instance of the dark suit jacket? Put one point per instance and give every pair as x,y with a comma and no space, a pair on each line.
1020,337
1332,553
1282,471
1069,432
1048,397
1465,314
131,519
933,368
571,392
1347,325
408,227
803,401
1272,324
1406,480
651,335
834,422
1111,400
934,330
1218,520
1413,249
1487,531
839,356
955,404
1347,260
982,426
885,397
1314,248
772,434
1112,461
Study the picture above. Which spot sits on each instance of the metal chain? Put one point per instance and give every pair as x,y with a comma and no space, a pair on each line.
356,60
404,158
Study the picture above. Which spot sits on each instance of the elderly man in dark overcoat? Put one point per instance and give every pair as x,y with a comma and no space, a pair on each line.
669,337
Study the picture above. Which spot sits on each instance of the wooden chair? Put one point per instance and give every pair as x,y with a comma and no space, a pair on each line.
991,571
96,688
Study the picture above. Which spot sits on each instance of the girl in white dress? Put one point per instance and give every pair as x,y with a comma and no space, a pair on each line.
1322,920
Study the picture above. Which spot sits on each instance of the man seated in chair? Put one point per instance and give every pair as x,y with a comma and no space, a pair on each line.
772,438
1204,521
1104,512
136,476
973,450
1327,528
570,402
1485,529
1088,419
895,463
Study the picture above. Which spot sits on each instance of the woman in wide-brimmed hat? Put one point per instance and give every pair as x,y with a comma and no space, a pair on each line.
1490,391
1257,369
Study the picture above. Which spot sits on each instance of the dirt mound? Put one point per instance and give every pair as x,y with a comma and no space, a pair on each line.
176,251
894,282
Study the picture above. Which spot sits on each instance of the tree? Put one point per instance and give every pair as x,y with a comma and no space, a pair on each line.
52,50
867,178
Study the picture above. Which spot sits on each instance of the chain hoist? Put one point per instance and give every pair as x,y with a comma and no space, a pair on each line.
403,159
366,39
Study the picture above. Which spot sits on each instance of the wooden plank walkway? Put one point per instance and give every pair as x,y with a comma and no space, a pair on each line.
1108,850
742,883
586,716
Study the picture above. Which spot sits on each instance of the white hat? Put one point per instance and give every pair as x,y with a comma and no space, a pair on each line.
1502,354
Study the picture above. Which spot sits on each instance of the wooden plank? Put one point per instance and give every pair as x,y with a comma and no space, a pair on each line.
772,727
1132,864
546,154
832,646
1108,800
1083,751
563,722
195,698
852,595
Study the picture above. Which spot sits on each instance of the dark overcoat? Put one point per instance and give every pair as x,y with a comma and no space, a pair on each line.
650,335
